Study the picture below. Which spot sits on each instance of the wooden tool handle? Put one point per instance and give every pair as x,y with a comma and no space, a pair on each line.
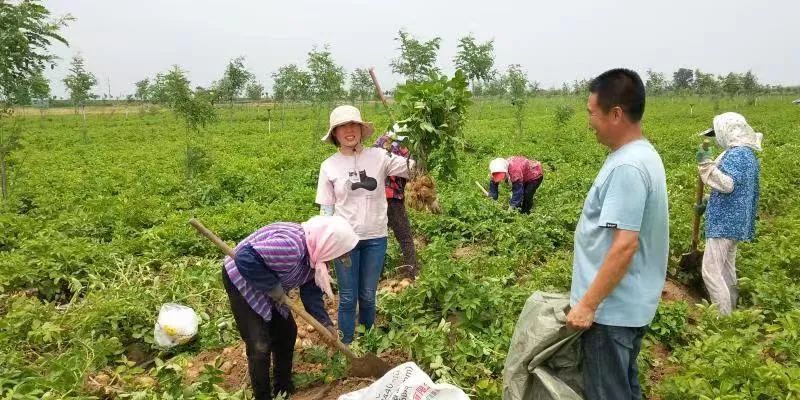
323,331
696,221
482,189
211,236
378,89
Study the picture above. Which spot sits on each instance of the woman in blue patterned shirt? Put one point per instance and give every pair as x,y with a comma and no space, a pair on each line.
732,207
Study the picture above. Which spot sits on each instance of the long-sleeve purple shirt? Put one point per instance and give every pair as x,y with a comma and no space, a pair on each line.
282,248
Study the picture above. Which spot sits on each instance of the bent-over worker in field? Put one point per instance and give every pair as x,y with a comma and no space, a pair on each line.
396,211
351,185
267,264
621,241
732,207
525,177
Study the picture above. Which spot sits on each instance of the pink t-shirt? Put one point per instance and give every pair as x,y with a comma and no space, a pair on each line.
355,186
521,169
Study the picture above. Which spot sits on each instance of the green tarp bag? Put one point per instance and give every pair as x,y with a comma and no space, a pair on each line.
544,357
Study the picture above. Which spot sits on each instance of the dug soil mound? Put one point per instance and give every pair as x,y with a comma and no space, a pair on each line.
676,291
333,390
233,359
233,364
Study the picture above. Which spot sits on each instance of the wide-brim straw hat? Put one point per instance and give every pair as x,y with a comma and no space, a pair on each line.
344,115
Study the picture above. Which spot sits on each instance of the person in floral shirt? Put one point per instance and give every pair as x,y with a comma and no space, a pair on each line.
395,196
733,204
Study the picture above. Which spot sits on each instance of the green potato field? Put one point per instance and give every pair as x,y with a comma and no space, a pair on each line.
94,238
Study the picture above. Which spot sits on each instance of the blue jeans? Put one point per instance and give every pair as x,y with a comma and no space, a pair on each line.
358,285
609,362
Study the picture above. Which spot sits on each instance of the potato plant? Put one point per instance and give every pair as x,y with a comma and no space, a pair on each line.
432,113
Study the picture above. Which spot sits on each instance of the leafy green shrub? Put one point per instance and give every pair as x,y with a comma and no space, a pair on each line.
563,114
433,112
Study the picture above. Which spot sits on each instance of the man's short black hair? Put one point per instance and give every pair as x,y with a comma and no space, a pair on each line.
620,87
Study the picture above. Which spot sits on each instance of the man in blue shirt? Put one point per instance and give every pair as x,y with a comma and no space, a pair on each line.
732,207
621,241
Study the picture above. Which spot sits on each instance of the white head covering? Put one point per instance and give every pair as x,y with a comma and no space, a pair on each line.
327,238
732,130
498,165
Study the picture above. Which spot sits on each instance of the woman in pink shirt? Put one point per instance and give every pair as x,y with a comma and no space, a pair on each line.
525,176
351,185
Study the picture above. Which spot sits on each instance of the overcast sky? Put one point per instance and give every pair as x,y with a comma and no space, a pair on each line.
124,41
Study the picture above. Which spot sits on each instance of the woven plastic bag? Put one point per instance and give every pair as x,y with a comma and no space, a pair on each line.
406,381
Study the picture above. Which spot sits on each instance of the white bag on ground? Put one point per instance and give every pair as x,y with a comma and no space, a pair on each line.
406,381
177,324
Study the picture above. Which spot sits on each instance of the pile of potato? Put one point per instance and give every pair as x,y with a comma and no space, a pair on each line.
395,285
305,336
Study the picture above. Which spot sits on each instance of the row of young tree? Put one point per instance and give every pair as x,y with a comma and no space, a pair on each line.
685,82
323,80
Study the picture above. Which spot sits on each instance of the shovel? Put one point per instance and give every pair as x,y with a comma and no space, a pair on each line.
367,366
694,258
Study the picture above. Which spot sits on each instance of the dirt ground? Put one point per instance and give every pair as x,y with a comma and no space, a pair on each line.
235,377
466,251
675,291
233,365
333,390
662,367
233,359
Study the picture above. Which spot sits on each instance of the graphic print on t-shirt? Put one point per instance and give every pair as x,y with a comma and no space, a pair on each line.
360,180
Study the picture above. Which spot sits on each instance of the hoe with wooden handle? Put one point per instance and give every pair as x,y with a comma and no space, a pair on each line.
367,366
694,258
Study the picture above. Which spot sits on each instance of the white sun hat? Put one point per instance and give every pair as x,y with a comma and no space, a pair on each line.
498,165
346,114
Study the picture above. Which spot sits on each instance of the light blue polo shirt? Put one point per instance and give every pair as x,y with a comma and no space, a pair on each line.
630,193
